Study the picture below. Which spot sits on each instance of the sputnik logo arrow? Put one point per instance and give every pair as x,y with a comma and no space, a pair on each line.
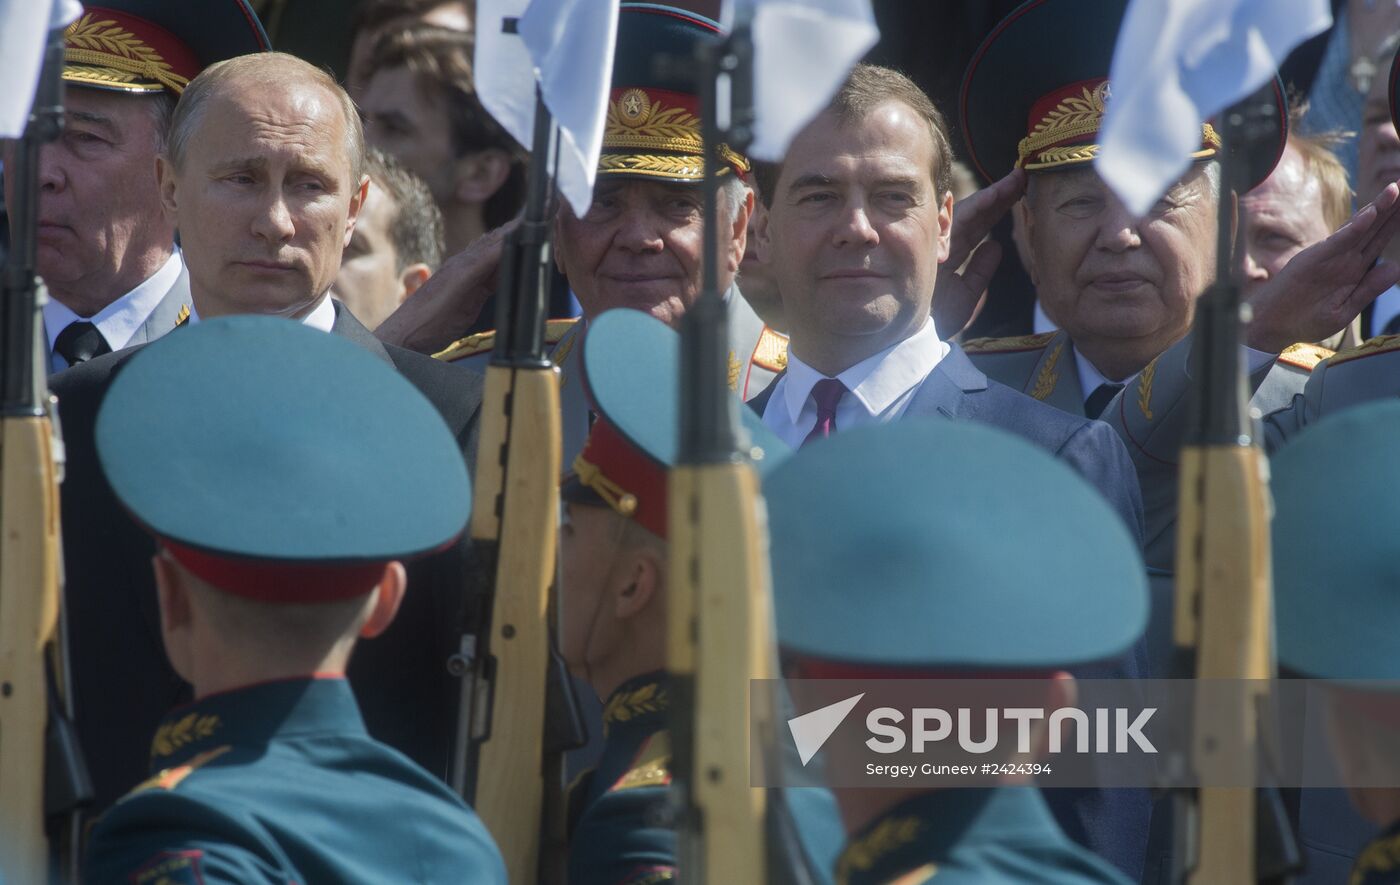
811,730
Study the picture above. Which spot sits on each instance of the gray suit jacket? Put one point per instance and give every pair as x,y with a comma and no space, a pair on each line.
1112,823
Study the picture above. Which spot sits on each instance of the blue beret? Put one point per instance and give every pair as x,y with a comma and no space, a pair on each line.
941,545
257,439
1336,573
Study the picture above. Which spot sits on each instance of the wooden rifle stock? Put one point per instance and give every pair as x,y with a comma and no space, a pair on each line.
518,471
719,600
42,779
499,761
1223,619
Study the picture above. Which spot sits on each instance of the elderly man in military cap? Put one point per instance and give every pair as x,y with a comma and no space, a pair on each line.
264,179
948,601
1121,290
615,566
270,569
639,244
106,252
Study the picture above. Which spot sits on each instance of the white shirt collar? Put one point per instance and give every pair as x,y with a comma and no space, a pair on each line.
119,320
322,316
1089,377
876,382
1040,320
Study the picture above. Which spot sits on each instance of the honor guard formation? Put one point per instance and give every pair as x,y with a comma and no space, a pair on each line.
374,508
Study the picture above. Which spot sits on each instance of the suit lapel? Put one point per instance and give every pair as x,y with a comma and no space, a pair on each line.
346,326
948,389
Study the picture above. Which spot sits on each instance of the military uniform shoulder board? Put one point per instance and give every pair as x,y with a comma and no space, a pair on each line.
1304,356
170,778
772,351
1009,345
482,342
1369,347
651,767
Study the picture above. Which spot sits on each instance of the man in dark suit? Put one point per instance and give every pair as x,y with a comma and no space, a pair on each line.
263,180
860,217
107,254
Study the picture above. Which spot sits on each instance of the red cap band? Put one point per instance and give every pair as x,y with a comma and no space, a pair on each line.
278,582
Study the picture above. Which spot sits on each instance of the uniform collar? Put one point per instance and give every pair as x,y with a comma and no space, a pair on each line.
925,829
641,703
255,715
119,320
1375,864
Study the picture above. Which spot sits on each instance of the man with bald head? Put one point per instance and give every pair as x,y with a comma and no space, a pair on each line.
263,179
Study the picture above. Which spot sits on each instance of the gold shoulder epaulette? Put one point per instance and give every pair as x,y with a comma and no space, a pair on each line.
482,342
555,330
1008,345
1305,356
169,778
651,767
471,345
1369,347
771,352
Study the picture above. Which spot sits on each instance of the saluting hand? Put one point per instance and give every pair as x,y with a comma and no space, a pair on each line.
959,295
446,306
1326,285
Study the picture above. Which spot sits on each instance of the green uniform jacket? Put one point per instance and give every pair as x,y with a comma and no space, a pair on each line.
969,836
622,832
1379,862
279,782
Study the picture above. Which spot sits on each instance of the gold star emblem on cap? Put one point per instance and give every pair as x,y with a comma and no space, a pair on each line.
635,107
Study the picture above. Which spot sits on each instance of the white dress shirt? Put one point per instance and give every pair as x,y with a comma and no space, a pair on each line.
879,387
119,320
322,316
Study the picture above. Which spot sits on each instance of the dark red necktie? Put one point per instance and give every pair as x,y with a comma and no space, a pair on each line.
826,393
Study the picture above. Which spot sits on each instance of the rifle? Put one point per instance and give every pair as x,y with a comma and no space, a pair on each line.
719,598
43,781
505,759
1223,623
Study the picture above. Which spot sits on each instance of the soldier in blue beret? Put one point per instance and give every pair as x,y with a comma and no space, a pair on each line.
1337,607
936,595
613,555
283,512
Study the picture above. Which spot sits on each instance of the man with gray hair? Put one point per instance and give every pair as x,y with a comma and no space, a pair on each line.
639,244
263,177
396,246
106,253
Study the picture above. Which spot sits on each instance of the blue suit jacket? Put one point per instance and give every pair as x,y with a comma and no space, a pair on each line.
1112,823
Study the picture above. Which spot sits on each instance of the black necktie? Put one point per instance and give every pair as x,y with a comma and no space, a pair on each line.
80,342
1098,400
